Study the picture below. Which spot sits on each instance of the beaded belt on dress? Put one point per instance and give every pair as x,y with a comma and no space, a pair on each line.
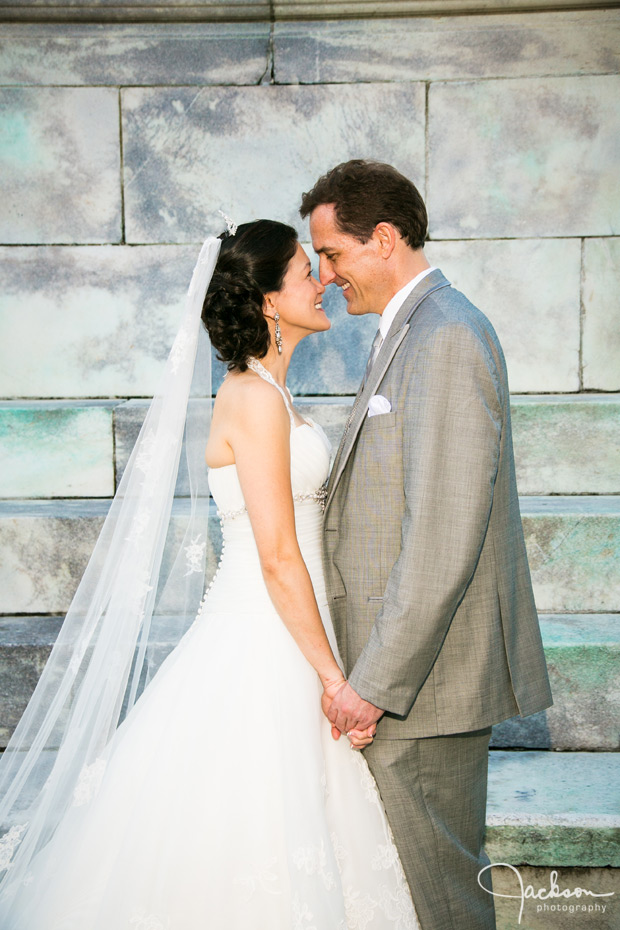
319,496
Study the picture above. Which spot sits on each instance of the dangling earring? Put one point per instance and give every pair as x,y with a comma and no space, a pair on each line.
276,317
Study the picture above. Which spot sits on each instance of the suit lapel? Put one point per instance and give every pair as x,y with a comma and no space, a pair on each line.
398,330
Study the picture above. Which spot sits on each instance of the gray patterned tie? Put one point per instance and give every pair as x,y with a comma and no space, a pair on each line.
374,351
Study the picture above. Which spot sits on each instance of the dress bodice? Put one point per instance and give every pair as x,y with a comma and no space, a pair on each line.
310,451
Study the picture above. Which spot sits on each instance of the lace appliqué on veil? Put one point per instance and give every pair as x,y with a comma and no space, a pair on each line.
88,783
194,555
180,349
9,843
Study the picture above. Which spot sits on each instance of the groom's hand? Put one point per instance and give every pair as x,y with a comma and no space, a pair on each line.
348,711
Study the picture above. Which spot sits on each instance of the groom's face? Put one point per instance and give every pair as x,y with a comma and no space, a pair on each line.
356,267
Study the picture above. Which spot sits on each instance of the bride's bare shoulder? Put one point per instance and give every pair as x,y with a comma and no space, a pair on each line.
245,394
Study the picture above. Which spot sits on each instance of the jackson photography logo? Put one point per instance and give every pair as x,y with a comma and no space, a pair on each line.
551,899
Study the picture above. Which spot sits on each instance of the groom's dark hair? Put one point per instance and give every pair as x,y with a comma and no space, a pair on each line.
365,193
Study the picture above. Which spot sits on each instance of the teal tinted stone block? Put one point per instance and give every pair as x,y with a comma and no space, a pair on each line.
56,449
274,141
573,546
59,165
554,809
583,657
488,178
567,444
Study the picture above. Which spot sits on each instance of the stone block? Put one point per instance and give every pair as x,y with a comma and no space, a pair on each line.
447,48
89,322
56,449
45,547
567,444
503,157
128,420
554,809
573,546
535,314
564,444
601,323
137,54
60,165
273,141
583,656
25,645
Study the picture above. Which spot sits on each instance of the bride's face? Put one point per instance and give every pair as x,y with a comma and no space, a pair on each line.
300,299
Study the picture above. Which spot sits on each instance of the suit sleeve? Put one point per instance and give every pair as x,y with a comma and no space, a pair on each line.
452,422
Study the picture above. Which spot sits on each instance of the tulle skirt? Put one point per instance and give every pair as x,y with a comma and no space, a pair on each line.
222,802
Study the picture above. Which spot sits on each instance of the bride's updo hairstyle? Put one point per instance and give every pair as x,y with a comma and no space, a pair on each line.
250,264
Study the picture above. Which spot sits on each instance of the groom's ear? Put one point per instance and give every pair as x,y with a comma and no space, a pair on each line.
386,236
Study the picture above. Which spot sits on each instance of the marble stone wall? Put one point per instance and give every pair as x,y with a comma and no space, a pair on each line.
119,143
118,146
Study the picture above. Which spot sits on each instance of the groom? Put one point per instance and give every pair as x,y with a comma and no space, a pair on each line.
426,568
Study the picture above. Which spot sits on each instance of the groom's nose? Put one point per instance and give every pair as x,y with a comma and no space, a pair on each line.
326,271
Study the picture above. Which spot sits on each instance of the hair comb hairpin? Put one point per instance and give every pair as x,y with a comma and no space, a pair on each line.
231,228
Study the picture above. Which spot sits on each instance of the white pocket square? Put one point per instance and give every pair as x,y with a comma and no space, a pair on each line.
378,404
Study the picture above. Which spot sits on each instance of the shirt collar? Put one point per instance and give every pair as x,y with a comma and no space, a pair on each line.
388,315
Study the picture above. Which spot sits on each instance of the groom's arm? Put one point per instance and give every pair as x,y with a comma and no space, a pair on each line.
451,441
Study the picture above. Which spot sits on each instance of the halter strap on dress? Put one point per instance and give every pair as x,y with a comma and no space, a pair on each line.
262,372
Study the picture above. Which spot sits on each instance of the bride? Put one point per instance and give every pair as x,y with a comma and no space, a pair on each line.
224,800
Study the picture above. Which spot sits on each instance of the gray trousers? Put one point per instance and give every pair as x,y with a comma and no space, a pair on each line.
435,792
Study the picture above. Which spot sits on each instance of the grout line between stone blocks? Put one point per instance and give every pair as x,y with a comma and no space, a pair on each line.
269,74
582,311
427,141
122,165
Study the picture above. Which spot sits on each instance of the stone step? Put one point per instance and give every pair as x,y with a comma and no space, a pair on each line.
564,444
545,811
583,656
573,547
554,809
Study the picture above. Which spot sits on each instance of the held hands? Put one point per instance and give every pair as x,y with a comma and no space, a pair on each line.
349,713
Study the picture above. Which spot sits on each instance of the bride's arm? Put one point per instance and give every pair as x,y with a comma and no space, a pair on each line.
258,431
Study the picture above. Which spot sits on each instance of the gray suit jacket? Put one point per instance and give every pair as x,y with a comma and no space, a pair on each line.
425,560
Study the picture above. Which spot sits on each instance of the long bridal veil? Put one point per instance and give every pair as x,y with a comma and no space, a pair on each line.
138,595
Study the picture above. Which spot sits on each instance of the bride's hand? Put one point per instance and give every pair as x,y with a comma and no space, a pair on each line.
359,739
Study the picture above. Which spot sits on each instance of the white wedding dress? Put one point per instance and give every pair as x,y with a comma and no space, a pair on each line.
222,802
